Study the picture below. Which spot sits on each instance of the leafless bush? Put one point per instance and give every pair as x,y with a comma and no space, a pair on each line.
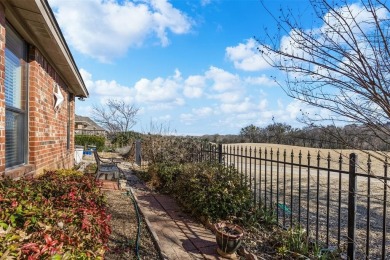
175,149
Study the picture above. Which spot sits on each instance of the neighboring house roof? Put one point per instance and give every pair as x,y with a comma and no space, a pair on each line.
89,123
36,23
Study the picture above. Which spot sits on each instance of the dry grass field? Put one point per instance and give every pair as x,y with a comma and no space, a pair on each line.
377,158
315,198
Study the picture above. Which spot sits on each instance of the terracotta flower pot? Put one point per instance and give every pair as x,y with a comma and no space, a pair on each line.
228,238
122,184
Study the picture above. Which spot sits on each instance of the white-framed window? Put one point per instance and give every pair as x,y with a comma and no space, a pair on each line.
15,99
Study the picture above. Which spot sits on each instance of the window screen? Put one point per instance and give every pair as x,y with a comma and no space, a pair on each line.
15,142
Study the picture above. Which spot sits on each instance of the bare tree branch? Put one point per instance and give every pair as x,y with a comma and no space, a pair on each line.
341,66
116,116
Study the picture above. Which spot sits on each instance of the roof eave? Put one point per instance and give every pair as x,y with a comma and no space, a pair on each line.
48,15
35,22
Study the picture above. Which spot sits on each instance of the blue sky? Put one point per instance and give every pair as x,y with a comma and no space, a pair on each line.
190,65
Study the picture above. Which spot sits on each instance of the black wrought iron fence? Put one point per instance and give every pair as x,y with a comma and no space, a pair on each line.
338,201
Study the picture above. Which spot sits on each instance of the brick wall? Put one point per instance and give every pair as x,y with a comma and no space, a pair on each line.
47,127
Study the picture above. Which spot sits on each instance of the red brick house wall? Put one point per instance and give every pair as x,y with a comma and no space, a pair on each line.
50,133
48,128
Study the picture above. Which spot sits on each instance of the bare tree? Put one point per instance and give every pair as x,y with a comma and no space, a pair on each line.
159,128
116,116
340,66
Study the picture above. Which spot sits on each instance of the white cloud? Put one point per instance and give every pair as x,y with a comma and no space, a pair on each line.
263,104
86,110
196,114
107,89
355,17
246,112
242,107
263,80
110,88
158,90
177,75
87,77
165,16
248,116
228,97
158,93
294,108
107,29
193,86
215,80
222,80
233,108
203,111
287,113
245,56
292,44
346,26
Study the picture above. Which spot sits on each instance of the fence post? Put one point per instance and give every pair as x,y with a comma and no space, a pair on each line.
138,152
220,153
352,206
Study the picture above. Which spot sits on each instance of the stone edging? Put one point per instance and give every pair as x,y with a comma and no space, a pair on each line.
149,226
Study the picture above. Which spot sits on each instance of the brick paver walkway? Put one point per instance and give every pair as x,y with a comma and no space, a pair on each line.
178,236
109,185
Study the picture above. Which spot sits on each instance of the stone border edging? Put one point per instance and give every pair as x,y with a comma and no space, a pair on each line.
148,225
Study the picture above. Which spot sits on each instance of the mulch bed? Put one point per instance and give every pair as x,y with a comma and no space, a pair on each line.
124,230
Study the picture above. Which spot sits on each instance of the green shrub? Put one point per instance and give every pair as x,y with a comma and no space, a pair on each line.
86,140
163,176
216,191
207,190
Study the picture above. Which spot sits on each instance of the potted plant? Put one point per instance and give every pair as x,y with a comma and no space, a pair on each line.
228,238
122,183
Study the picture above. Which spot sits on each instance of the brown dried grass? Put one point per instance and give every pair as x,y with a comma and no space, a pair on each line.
299,188
377,157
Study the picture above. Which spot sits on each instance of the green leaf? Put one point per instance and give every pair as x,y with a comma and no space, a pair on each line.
19,209
56,257
3,225
13,220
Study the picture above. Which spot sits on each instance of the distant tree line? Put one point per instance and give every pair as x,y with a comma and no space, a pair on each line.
328,137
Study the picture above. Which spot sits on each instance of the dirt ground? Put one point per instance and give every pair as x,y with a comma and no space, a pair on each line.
124,230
